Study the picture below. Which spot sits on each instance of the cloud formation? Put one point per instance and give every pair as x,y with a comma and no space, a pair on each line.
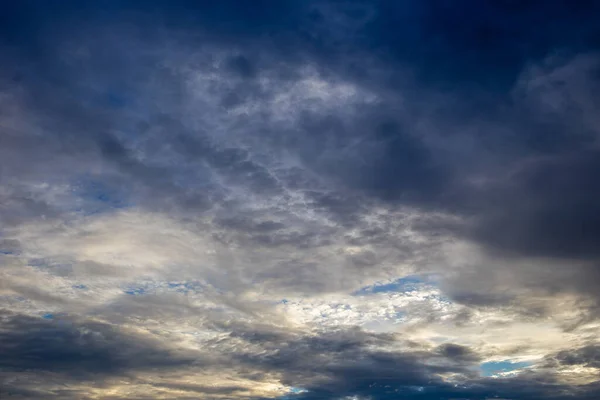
299,200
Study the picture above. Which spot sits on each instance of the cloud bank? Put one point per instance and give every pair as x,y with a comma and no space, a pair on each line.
299,200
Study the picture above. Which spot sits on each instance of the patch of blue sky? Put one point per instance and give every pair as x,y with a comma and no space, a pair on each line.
79,287
186,286
48,316
93,196
135,291
494,368
151,286
400,316
401,285
293,393
297,390
141,288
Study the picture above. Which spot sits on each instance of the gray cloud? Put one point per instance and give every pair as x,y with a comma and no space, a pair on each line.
78,350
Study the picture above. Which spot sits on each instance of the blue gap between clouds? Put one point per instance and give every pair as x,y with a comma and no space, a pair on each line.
142,288
135,291
98,196
405,284
293,393
492,368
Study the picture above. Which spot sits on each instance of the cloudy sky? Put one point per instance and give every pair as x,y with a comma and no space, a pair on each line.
300,200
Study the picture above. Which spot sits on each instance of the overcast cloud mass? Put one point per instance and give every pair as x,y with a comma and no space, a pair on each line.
300,200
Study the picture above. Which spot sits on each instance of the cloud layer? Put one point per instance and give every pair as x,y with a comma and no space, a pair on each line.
299,200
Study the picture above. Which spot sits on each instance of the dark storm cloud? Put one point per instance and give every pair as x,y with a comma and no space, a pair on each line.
79,350
457,352
329,364
394,164
344,363
550,208
588,356
58,357
484,43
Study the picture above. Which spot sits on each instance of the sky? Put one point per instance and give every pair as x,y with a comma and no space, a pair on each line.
300,199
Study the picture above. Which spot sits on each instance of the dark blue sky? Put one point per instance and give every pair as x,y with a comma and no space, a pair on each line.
299,199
